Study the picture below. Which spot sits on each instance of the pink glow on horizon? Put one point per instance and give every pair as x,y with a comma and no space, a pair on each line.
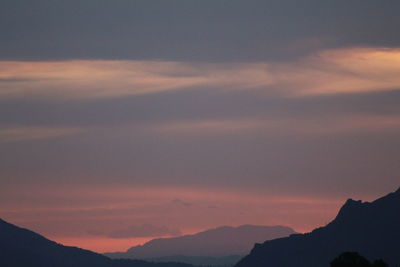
104,244
68,215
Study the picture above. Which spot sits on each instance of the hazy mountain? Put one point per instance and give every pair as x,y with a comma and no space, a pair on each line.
372,229
23,248
200,248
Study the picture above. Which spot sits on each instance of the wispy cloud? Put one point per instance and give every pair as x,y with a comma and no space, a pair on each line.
181,202
281,126
16,134
353,70
144,230
328,72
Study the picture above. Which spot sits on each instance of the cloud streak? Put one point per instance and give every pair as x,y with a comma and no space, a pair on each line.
144,230
331,125
352,70
17,134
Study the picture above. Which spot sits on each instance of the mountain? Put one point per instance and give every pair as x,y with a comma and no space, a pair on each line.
372,229
200,248
22,248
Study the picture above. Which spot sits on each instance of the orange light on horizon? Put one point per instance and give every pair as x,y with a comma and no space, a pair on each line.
103,210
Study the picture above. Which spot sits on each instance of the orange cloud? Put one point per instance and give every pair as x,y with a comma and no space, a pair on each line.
328,72
346,71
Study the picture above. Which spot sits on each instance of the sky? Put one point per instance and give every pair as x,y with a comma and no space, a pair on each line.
123,121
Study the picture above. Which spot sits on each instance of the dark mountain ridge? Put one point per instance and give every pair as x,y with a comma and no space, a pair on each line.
372,229
20,247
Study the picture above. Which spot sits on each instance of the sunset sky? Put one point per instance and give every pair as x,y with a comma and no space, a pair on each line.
126,120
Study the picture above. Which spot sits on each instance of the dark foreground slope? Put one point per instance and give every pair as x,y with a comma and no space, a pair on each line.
372,229
23,248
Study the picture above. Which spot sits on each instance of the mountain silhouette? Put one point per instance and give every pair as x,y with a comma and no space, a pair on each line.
20,247
212,247
372,229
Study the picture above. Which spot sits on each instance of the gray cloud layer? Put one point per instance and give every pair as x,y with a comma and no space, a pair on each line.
121,145
223,30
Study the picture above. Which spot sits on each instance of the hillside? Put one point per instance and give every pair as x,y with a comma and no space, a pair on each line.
372,229
20,247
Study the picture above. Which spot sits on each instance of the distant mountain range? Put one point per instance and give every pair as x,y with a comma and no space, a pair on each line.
220,246
372,229
23,248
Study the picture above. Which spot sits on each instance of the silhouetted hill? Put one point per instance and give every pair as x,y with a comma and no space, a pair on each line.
372,229
23,248
207,247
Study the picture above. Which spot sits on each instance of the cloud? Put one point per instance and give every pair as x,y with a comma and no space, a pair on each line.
16,134
144,230
323,125
95,232
354,70
93,79
191,30
347,71
178,201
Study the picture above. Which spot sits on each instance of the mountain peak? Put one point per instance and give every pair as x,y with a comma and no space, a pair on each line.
349,208
368,227
352,202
